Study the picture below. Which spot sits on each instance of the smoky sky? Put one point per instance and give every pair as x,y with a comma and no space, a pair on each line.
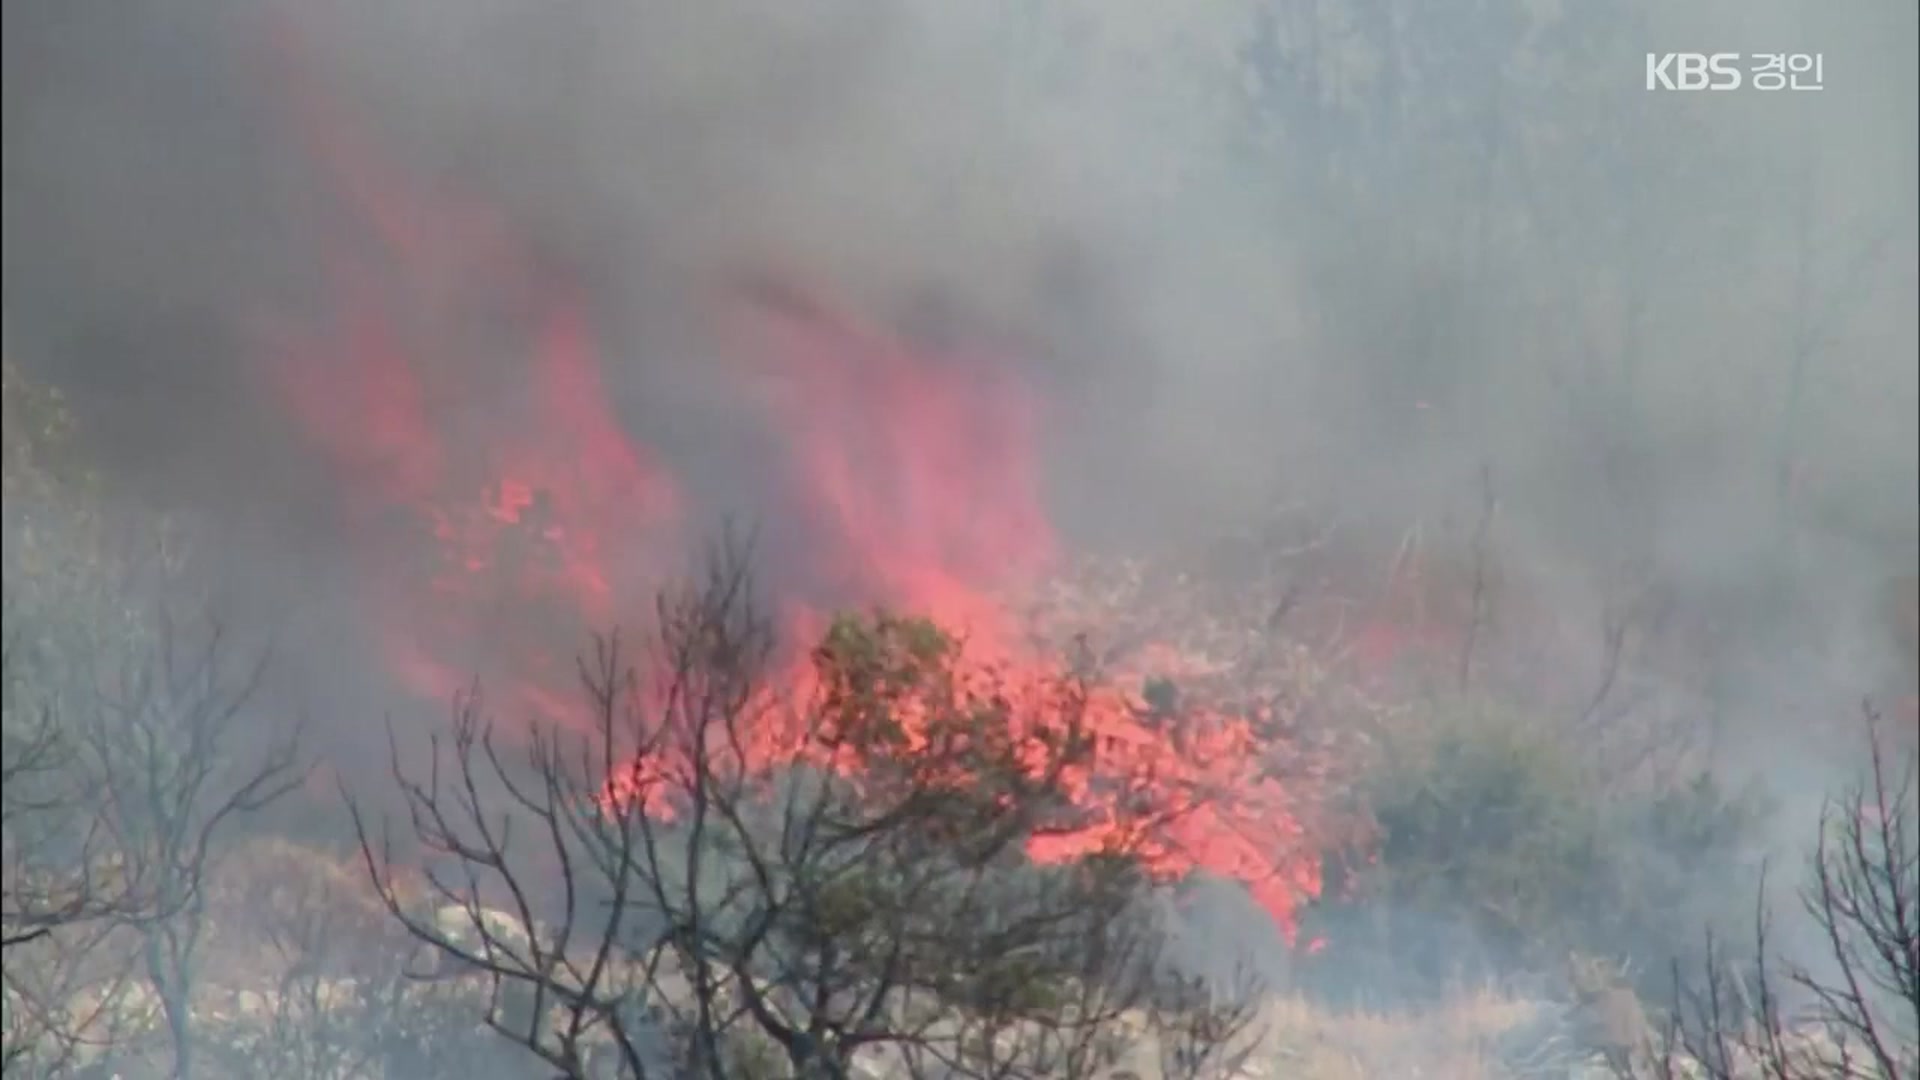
1351,254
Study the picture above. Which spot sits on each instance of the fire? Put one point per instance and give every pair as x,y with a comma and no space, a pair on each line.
553,519
917,467
917,470
950,520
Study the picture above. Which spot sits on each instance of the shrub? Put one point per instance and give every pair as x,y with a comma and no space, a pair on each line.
1500,852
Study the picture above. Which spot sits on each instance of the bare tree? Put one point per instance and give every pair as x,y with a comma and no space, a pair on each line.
63,896
117,796
72,996
1856,1015
168,751
811,885
55,872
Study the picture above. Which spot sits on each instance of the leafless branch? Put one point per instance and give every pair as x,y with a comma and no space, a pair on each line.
1861,1013
705,875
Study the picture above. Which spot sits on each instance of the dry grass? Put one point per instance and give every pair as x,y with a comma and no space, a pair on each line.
1453,1041
278,909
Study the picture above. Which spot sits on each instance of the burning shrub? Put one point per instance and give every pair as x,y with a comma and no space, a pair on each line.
835,878
912,470
1188,651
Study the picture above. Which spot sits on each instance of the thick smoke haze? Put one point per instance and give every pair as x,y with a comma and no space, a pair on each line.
1356,256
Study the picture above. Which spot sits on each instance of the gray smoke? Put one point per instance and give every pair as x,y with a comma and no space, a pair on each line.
1342,252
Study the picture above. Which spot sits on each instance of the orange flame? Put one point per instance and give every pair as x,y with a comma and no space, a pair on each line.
521,531
918,471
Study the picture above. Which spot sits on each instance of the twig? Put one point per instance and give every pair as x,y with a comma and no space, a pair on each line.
1489,505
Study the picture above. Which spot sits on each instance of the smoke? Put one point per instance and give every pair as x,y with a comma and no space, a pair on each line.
1325,253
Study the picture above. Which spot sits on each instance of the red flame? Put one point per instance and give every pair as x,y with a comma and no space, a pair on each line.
501,457
918,467
918,470
924,467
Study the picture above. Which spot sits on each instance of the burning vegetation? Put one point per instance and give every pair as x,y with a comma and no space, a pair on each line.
916,471
1439,769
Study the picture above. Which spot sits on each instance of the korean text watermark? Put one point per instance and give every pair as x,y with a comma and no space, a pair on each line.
1733,71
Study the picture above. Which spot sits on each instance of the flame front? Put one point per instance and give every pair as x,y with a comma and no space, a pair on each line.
916,470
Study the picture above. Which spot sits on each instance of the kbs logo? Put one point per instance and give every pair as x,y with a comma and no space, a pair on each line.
1693,71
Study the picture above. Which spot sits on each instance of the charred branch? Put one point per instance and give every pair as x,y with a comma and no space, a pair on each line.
702,874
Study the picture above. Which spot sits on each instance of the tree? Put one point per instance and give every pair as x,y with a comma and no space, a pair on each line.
162,749
53,618
116,807
125,762
41,791
62,895
1857,1013
809,883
